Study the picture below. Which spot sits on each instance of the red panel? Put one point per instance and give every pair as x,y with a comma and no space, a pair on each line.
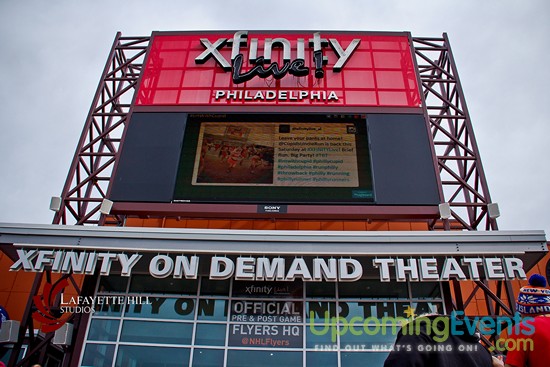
380,72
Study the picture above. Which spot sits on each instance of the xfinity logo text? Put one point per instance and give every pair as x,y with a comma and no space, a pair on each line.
296,67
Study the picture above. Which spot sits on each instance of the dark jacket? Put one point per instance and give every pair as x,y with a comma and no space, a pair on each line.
428,341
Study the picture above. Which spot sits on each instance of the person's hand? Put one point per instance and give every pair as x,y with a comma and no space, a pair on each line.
497,361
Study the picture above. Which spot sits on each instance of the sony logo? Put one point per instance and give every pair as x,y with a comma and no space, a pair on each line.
296,67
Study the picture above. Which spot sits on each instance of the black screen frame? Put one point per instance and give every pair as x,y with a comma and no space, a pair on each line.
186,192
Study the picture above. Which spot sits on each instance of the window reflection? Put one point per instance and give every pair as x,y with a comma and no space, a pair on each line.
103,330
156,332
214,287
255,358
322,359
319,310
208,358
370,288
421,308
139,356
98,355
181,321
426,290
113,284
147,284
164,308
354,359
212,309
210,334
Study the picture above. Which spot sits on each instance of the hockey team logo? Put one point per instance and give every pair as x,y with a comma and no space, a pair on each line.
47,313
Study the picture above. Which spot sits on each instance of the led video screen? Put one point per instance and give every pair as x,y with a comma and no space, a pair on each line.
296,159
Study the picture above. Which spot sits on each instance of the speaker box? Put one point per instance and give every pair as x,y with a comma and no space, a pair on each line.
55,203
445,211
63,335
9,331
493,210
106,206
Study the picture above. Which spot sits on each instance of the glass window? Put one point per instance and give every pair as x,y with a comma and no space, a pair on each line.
354,359
321,290
6,351
212,309
168,325
255,358
210,334
156,332
348,310
208,357
141,356
148,284
421,308
98,355
112,284
103,330
164,308
320,311
108,309
322,359
426,290
373,336
385,309
214,287
321,336
370,288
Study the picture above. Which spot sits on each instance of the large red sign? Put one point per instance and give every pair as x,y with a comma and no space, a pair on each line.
291,69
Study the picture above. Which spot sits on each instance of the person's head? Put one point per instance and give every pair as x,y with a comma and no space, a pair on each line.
534,299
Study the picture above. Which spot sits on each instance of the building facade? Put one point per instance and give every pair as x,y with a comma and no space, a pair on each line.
263,198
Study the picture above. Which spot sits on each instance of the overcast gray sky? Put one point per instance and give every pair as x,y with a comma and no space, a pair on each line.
53,52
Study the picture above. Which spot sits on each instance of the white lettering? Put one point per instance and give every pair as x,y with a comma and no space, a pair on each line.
350,270
451,268
221,268
514,268
186,266
128,263
428,269
161,266
384,265
411,269
281,95
245,268
493,269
